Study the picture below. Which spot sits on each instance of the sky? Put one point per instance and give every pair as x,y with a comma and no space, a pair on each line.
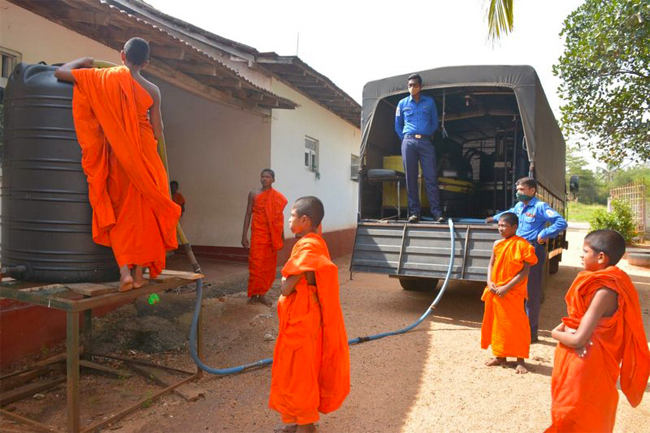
356,41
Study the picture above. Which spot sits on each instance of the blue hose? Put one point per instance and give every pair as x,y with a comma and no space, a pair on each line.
267,361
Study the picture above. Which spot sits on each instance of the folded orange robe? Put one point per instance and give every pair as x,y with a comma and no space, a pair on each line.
127,183
311,361
584,389
266,239
505,324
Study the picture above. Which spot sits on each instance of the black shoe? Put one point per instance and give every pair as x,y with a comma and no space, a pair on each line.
439,219
413,218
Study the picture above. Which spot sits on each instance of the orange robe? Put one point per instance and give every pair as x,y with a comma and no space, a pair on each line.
266,239
505,324
311,361
127,183
584,389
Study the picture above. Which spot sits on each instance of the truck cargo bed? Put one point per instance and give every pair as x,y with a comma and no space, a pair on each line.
422,249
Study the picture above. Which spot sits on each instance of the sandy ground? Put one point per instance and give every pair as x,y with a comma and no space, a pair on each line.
431,379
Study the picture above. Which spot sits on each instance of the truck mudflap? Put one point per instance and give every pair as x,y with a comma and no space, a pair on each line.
422,250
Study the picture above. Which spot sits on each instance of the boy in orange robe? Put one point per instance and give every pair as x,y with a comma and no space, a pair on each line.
601,339
311,361
505,324
266,208
118,121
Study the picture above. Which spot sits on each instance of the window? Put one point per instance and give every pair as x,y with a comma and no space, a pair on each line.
311,155
8,61
354,167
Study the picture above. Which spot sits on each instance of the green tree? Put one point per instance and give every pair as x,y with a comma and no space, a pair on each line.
592,189
605,78
499,14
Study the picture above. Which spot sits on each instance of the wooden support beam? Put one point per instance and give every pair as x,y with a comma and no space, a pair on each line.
195,68
84,16
29,390
167,52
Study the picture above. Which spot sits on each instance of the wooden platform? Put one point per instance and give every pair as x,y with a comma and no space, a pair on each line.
75,298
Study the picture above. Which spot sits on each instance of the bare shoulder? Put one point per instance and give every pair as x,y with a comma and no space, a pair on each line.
497,242
150,87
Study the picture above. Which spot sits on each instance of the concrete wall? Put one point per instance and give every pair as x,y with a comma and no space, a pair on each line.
338,140
216,153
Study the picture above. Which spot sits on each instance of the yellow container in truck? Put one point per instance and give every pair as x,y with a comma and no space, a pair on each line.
389,195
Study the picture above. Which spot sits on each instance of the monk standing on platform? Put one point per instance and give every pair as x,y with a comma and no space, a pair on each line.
601,340
505,324
311,361
265,207
118,120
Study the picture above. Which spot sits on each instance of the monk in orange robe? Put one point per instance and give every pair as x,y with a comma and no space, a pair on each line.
601,340
311,361
117,119
266,209
505,324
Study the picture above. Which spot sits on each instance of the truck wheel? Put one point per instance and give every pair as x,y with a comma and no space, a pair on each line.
418,284
554,264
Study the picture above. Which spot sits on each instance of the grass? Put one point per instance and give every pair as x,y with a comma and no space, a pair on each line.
580,212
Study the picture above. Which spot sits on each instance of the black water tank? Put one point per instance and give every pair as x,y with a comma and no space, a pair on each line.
46,216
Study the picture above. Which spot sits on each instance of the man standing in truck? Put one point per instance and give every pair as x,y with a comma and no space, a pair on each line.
416,119
533,215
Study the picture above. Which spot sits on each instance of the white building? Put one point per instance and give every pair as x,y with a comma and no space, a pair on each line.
229,112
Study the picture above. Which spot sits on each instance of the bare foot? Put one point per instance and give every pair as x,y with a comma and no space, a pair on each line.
253,299
496,361
264,300
521,367
138,280
306,428
126,280
289,428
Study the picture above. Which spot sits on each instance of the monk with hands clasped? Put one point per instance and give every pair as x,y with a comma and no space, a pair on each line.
505,324
311,361
601,341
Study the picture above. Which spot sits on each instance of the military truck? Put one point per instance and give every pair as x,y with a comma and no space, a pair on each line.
495,126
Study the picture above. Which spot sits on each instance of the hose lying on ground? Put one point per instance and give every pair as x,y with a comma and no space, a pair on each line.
358,340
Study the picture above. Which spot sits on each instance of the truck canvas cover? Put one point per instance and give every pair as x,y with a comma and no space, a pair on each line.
544,140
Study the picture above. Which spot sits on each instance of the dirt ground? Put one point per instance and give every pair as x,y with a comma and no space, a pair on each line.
430,379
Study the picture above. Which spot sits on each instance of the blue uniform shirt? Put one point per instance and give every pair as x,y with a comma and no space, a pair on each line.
414,117
533,218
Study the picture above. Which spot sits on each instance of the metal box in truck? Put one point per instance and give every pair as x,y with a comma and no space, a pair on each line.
496,126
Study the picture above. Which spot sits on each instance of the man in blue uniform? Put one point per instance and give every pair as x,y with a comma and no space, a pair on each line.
416,119
533,215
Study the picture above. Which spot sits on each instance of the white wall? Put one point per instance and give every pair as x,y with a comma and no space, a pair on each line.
38,39
216,154
338,140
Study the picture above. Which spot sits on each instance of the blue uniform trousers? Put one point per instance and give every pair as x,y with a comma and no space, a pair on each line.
534,302
422,150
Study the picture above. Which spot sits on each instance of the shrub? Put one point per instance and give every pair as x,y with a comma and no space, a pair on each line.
619,219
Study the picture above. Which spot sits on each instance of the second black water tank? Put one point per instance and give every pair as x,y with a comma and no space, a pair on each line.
46,216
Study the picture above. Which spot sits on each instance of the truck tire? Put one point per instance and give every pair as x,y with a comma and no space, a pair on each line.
554,264
418,284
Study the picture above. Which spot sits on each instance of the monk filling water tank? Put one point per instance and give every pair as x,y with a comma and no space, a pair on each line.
46,216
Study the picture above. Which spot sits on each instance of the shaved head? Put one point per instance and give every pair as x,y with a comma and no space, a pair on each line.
609,242
510,218
312,207
269,171
137,51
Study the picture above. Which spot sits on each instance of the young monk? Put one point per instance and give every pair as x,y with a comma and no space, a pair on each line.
601,340
118,122
505,324
311,362
266,207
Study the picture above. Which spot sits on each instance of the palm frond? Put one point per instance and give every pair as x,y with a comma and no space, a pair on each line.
500,18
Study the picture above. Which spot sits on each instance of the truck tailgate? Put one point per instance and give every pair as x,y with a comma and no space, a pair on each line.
422,250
